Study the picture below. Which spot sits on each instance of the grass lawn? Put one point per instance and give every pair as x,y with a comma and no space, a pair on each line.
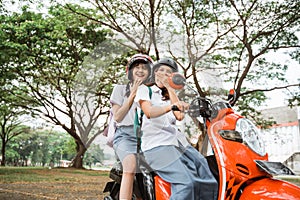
24,183
293,179
58,183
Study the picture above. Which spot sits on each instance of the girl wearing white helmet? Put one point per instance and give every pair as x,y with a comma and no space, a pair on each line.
123,109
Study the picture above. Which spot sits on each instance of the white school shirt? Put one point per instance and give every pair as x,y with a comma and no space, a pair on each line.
118,97
160,130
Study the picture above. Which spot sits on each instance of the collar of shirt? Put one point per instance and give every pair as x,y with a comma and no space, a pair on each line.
156,89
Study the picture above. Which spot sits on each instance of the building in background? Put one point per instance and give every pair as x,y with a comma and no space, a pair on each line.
282,140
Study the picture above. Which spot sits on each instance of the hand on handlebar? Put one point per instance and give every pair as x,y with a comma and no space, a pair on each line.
180,106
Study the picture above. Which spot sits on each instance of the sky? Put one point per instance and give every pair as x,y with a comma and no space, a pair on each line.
278,98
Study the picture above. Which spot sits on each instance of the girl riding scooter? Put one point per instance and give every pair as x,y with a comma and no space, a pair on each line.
165,148
123,108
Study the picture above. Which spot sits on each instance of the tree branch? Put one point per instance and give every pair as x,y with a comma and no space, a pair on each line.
270,89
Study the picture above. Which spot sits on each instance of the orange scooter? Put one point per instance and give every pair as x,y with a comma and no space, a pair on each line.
238,159
235,154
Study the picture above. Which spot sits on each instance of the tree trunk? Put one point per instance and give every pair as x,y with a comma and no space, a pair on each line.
77,162
3,153
199,144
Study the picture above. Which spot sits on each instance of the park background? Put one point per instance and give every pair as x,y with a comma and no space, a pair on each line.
61,59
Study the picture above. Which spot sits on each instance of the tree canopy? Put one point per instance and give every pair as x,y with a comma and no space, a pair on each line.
233,42
61,65
54,63
219,45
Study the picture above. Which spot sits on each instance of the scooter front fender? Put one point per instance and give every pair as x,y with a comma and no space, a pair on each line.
269,188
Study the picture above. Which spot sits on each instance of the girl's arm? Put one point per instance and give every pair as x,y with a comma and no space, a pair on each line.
119,112
153,111
156,111
182,106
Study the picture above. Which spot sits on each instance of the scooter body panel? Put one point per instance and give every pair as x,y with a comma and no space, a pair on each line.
162,188
269,188
235,160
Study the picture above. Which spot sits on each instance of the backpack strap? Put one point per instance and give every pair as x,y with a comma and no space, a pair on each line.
150,92
142,113
138,123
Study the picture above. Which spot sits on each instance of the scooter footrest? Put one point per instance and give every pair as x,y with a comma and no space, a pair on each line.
116,177
108,186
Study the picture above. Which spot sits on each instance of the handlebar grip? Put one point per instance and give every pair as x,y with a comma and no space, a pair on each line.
174,108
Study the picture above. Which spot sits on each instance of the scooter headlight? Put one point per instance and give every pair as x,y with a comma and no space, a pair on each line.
250,135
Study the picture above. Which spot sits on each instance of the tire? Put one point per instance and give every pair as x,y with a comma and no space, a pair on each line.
108,198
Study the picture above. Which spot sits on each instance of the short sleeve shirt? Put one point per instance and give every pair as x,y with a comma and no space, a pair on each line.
118,97
160,130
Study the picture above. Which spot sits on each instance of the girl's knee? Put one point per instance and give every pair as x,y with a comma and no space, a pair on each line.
129,164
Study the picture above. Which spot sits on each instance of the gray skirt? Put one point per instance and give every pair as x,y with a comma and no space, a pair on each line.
186,169
125,142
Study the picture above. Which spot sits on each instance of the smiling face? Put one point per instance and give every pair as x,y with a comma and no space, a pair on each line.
161,74
140,71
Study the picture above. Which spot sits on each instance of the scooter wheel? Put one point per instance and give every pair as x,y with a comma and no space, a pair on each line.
108,198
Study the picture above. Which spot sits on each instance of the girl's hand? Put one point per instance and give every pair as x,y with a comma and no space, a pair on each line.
163,80
182,106
134,86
